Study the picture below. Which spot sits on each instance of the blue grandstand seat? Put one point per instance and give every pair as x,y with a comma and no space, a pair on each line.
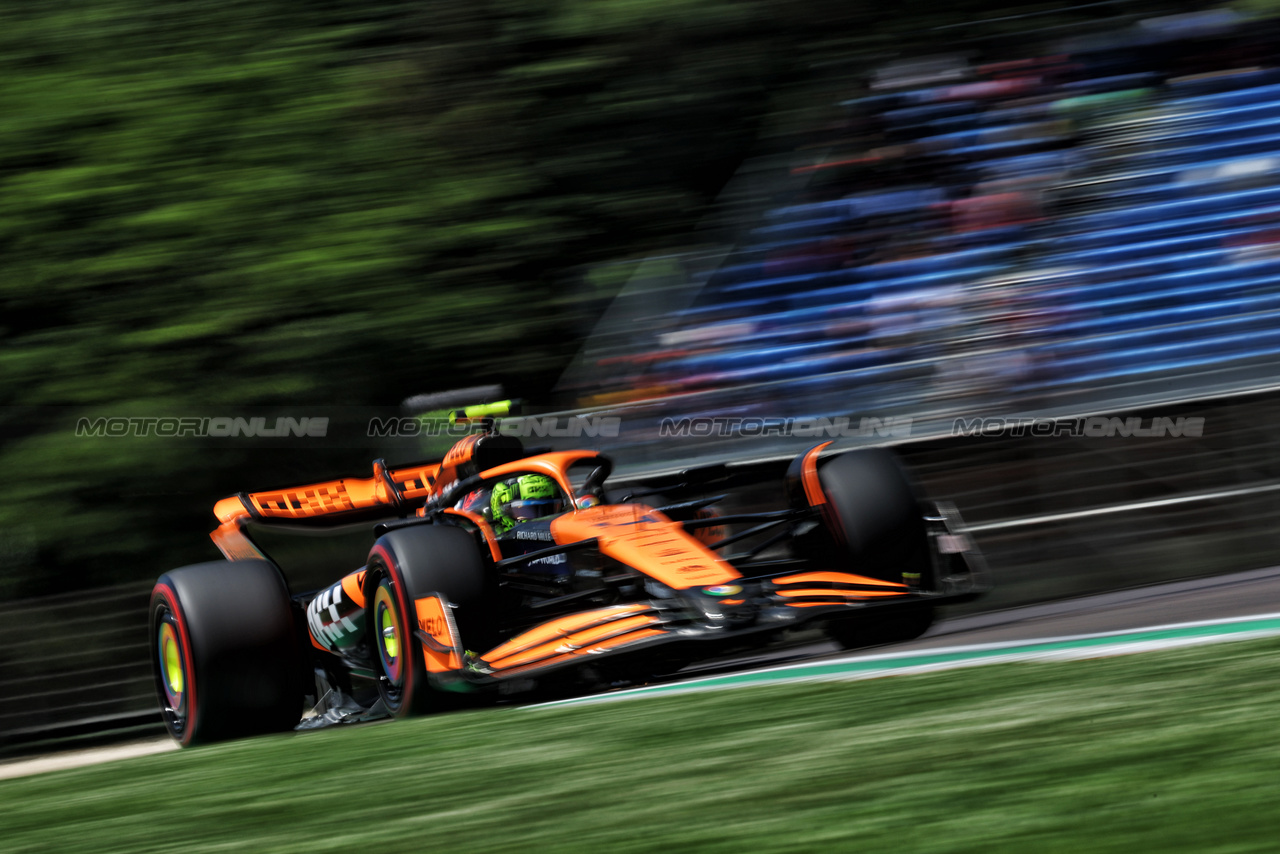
872,272
1231,98
1152,284
1165,358
1143,249
1188,133
1191,88
1007,148
1189,333
1192,154
787,284
1187,313
987,134
1176,209
727,360
1193,113
931,263
790,370
1226,225
1122,300
879,287
1112,83
1027,164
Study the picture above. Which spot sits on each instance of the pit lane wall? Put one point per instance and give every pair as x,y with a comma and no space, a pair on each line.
1059,511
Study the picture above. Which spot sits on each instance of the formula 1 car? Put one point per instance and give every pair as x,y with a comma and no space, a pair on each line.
497,570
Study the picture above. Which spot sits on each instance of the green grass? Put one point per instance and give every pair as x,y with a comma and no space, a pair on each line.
1171,751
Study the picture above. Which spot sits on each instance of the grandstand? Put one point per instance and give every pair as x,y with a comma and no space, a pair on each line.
1096,220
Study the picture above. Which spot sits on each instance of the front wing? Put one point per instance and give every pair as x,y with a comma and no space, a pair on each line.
704,622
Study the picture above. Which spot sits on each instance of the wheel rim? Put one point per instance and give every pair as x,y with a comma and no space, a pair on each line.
173,670
390,641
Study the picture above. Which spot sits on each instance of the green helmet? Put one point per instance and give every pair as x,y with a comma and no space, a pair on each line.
529,496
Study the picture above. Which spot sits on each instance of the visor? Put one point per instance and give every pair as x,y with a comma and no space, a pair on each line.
534,508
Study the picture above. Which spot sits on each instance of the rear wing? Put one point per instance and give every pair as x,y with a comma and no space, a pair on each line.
265,524
389,489
388,493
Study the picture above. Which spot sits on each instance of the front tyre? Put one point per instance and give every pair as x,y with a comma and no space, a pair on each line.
404,566
875,518
402,673
877,526
223,651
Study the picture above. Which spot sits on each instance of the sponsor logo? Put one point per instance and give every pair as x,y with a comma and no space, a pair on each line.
723,590
435,626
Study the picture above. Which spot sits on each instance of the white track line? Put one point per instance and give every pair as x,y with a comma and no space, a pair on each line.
82,758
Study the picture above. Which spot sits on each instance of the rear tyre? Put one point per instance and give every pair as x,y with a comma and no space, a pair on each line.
223,651
875,522
406,565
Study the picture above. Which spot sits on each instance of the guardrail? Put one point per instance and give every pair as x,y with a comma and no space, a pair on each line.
1057,516
75,664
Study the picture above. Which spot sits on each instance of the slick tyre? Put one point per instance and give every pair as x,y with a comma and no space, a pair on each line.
876,524
405,565
224,652
874,517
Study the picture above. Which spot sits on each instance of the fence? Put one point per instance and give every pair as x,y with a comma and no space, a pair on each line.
75,664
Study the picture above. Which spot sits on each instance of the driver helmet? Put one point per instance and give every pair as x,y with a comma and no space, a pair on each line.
529,496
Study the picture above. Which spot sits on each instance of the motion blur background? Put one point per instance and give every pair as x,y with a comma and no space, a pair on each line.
640,208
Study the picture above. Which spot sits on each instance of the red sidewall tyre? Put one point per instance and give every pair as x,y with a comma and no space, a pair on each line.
412,563
228,628
181,721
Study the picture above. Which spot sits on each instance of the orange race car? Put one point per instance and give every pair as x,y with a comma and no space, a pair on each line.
497,571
